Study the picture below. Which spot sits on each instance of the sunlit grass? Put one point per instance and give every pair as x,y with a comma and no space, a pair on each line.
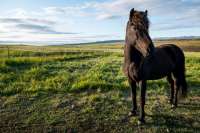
86,90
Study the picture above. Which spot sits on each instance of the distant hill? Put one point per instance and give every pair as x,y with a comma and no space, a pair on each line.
179,38
97,42
155,39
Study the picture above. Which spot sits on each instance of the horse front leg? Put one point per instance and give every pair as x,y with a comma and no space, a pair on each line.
133,95
142,85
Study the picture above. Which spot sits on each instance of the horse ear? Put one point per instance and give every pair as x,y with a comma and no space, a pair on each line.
146,12
131,13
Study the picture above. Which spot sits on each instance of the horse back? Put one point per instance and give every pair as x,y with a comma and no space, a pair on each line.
174,52
166,59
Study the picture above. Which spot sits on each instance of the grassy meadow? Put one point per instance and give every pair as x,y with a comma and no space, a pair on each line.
81,88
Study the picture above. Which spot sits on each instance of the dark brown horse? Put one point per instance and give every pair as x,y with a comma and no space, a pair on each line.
145,62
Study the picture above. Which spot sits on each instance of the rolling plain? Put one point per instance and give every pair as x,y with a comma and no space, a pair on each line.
81,88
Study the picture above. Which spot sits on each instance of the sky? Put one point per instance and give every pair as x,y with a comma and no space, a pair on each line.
79,21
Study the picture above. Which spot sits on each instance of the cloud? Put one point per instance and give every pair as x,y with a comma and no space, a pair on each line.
107,16
122,7
30,25
44,21
10,20
41,29
163,14
70,11
18,12
25,20
34,28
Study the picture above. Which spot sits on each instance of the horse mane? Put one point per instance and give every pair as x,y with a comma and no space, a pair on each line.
140,22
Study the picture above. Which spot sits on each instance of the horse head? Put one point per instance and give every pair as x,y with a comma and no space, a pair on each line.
137,34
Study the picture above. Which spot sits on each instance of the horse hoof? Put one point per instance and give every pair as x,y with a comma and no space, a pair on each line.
170,102
141,122
173,106
132,113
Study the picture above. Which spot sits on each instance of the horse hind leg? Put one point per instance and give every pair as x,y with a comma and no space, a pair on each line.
180,85
180,82
177,87
171,82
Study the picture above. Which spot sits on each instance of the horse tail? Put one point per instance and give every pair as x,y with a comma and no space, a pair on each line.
183,83
183,87
178,57
181,73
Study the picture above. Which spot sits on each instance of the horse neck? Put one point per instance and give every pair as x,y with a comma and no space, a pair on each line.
152,44
132,55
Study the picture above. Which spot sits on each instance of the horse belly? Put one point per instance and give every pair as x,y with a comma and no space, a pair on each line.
157,75
157,69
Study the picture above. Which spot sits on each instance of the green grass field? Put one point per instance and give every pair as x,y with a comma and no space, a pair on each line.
82,89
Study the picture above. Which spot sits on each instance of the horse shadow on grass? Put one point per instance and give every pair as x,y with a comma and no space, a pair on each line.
171,122
185,118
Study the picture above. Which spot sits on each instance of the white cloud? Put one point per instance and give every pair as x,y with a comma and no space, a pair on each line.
18,13
50,24
163,14
156,7
71,11
106,16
